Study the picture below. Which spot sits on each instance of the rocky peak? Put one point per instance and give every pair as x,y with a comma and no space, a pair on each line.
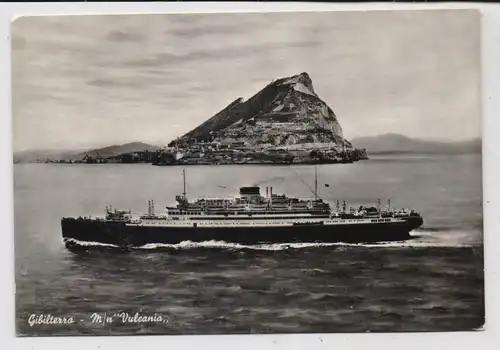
286,112
301,82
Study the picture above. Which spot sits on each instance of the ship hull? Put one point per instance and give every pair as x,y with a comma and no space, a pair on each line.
125,236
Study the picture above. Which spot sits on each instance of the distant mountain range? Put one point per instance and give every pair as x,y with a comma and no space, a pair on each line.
395,143
382,144
31,156
115,150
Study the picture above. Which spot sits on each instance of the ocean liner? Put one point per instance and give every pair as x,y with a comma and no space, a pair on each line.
250,218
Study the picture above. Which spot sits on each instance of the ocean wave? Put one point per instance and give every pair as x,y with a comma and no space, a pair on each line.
77,242
428,230
447,237
186,245
228,245
283,246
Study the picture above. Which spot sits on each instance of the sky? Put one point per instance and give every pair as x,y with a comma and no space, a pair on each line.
97,80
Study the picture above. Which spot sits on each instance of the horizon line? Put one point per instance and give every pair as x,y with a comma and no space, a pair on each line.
96,146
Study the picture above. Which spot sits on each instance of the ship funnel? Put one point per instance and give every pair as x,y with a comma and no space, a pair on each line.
250,191
267,191
271,191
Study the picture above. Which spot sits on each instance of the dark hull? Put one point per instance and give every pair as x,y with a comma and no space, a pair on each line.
118,234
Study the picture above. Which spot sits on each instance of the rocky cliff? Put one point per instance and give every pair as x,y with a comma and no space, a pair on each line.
286,115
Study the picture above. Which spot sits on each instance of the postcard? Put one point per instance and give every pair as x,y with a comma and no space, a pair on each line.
236,173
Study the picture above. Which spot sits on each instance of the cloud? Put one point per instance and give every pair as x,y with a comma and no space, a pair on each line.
199,31
18,43
223,53
122,36
380,71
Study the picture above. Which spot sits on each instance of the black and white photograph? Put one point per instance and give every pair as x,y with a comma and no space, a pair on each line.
248,173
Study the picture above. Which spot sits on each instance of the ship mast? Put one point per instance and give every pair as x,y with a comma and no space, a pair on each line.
184,182
316,182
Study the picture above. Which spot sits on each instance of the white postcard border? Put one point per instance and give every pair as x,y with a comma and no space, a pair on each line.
491,188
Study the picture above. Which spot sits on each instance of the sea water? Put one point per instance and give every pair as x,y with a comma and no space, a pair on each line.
433,282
